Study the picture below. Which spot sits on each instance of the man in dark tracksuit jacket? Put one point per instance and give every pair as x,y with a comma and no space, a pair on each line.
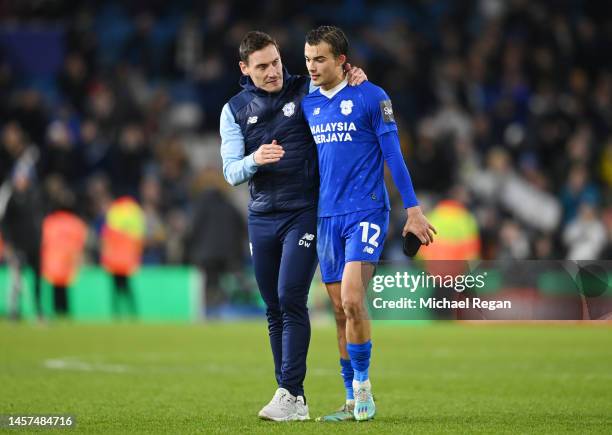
266,141
21,217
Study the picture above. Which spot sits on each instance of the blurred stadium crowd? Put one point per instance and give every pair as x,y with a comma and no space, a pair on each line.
505,106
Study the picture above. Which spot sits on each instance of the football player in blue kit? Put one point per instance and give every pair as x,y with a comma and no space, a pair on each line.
355,132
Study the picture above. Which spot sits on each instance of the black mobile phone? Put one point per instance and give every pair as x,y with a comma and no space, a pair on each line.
411,245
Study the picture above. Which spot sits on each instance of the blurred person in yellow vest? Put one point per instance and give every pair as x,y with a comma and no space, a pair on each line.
121,248
457,242
458,236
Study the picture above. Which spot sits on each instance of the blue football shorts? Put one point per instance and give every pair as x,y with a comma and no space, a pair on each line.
357,236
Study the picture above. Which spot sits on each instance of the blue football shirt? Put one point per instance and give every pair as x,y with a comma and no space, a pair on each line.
346,127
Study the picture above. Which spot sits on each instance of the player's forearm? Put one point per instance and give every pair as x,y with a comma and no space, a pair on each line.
237,171
236,167
390,146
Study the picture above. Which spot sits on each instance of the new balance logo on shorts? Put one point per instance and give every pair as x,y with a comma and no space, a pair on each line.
368,249
306,239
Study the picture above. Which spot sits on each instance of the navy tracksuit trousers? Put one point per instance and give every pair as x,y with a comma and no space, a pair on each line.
284,251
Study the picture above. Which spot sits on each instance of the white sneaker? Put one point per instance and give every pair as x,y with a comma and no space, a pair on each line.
282,407
302,409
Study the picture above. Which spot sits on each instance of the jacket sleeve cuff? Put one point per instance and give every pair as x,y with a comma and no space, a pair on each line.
249,163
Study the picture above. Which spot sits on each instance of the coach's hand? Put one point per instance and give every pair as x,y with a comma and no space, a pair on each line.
418,225
354,75
268,153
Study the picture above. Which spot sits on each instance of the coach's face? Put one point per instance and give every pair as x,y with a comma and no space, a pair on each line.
265,69
324,68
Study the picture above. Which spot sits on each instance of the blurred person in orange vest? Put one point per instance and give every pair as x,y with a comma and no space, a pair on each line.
63,240
121,248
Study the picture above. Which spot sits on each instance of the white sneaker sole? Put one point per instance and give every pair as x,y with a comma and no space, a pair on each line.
264,416
295,417
303,417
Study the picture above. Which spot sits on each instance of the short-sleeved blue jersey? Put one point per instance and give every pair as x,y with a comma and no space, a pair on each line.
346,128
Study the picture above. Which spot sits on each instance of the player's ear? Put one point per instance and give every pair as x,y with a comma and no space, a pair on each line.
342,60
244,68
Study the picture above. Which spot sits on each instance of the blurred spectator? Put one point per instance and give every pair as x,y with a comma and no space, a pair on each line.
432,162
585,237
139,49
577,191
73,81
175,176
500,184
178,225
21,215
60,155
58,195
218,234
606,164
607,219
29,112
543,247
13,145
129,159
102,108
98,200
94,149
155,231
188,48
514,244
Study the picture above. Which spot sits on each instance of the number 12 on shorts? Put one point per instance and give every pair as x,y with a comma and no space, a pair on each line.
365,230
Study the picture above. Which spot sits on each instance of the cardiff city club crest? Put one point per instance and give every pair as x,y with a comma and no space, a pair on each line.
289,109
346,107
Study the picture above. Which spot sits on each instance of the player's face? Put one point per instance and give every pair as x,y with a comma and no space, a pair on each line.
324,68
265,69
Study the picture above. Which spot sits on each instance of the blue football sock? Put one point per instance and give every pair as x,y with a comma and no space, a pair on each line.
347,376
360,359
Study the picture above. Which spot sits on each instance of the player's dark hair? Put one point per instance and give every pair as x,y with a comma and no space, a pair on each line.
254,41
333,35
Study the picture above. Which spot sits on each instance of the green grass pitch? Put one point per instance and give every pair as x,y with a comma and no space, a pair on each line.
214,377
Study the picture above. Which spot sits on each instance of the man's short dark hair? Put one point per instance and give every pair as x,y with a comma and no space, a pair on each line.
334,36
254,41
